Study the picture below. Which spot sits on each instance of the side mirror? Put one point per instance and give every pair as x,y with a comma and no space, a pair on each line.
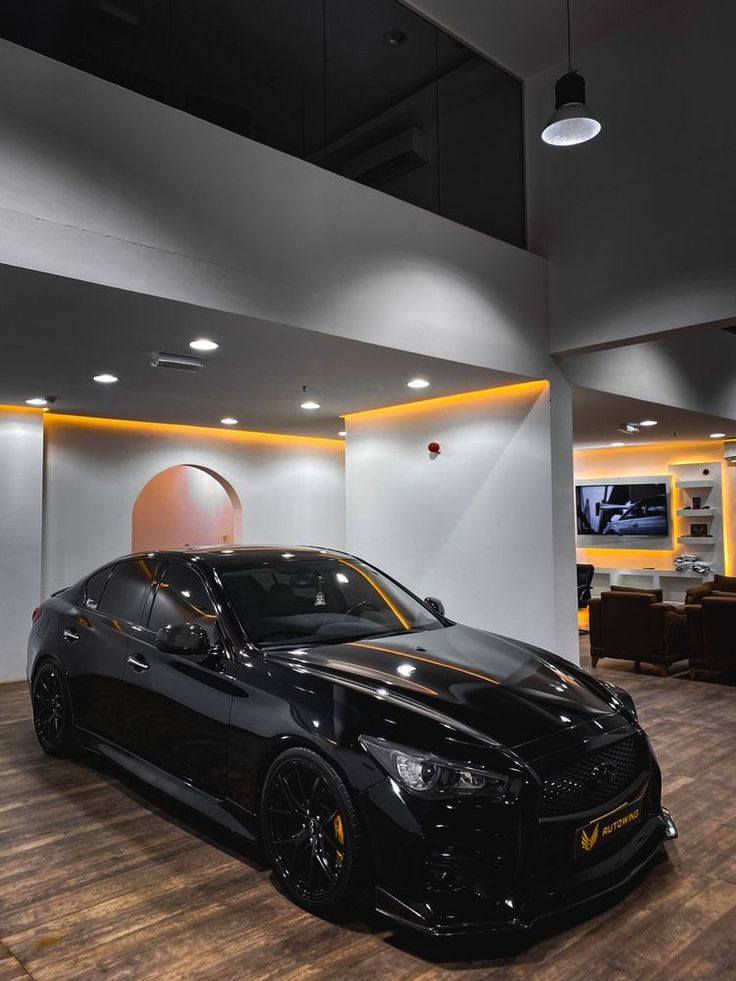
437,605
183,638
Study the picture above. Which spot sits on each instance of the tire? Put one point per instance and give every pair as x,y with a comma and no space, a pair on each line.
312,835
52,710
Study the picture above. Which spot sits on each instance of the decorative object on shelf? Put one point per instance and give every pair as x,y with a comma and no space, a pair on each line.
696,504
704,568
699,531
684,562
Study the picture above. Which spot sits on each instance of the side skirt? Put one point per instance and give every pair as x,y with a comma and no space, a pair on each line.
226,813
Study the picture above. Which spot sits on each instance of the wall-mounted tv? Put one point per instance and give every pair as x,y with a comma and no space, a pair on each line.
623,510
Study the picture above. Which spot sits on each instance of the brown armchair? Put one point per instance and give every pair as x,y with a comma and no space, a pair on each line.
712,634
719,584
635,625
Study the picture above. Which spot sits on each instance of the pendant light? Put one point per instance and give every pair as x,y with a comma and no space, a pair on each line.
571,122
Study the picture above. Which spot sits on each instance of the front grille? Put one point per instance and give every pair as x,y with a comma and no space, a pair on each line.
593,780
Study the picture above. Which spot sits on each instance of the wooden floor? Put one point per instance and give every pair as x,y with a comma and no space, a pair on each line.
103,879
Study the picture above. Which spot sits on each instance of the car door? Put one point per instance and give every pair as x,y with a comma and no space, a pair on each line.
94,637
178,706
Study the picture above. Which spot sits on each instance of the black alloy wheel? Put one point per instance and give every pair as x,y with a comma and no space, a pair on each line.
312,835
52,710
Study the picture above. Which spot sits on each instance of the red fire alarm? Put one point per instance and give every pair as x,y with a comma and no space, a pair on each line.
433,447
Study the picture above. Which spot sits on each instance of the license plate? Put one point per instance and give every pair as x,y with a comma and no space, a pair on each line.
607,827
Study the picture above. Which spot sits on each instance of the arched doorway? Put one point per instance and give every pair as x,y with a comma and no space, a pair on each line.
185,505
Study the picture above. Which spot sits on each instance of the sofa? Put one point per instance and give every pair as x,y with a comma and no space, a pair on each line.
719,585
712,634
635,625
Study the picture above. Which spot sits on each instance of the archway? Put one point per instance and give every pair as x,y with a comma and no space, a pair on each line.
185,505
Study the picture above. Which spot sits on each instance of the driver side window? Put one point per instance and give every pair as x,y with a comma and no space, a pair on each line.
181,597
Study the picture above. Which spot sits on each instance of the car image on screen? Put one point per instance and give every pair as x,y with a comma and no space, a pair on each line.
647,517
623,509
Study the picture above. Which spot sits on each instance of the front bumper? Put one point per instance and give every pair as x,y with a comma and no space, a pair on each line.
520,913
442,872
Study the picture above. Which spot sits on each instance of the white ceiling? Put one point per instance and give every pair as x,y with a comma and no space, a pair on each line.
58,333
597,416
526,36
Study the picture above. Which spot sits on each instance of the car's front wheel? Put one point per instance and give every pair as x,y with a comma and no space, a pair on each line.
312,835
52,710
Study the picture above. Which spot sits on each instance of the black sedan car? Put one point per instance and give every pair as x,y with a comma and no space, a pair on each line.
456,780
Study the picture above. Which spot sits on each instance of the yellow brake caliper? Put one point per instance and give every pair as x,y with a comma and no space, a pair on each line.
339,833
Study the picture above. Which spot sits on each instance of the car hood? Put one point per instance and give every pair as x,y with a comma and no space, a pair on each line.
508,691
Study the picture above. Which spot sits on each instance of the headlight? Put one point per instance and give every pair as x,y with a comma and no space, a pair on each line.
432,776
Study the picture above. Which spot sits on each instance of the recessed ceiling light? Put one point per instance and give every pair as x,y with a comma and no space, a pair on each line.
418,383
229,421
342,433
648,422
38,400
618,444
203,344
717,435
311,405
105,379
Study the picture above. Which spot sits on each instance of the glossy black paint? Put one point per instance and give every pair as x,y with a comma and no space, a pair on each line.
205,728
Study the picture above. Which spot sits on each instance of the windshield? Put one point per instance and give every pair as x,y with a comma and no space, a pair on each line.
307,600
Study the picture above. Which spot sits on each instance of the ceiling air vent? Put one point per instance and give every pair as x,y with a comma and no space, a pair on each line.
402,153
180,362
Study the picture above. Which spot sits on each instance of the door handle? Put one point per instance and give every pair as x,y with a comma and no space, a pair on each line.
138,663
70,636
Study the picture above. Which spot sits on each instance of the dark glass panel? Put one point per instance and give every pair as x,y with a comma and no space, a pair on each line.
366,88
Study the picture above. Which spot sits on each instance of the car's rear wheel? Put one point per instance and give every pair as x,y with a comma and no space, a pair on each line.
52,710
311,832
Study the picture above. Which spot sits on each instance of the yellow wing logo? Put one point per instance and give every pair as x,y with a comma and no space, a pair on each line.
587,841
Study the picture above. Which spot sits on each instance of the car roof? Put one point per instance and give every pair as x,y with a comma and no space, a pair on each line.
222,556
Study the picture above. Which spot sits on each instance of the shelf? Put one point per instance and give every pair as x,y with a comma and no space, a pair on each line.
694,484
654,573
703,542
696,513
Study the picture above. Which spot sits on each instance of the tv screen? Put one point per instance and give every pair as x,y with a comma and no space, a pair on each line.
622,509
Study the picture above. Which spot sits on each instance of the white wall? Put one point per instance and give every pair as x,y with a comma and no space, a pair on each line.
477,525
691,370
291,489
21,479
103,185
640,224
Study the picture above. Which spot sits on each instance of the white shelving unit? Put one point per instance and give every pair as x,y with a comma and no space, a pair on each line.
688,482
673,584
